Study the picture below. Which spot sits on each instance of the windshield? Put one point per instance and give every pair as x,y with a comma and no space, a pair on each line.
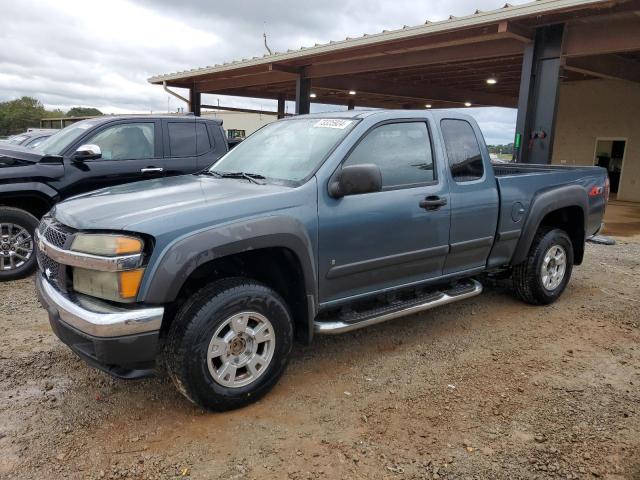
57,143
287,151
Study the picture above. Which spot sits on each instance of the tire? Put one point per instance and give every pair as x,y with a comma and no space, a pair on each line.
17,228
210,313
532,281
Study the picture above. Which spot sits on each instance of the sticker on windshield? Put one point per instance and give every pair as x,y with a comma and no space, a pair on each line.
333,123
84,126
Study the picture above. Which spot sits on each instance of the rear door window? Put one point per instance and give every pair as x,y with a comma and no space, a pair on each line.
463,150
202,139
182,139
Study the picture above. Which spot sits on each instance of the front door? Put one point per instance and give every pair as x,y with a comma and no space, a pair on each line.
398,236
130,151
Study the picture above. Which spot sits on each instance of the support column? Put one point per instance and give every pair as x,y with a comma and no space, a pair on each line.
281,105
351,105
538,100
303,90
194,101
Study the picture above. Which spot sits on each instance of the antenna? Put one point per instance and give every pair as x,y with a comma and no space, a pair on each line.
264,35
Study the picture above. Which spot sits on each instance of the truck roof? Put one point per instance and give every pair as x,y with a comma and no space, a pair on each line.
389,113
176,118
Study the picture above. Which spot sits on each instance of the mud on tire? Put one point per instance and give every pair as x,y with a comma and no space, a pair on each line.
236,322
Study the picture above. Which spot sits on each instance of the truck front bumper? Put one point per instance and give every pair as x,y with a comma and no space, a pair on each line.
121,341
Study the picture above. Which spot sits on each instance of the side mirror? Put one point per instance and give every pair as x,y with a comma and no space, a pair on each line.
355,179
87,152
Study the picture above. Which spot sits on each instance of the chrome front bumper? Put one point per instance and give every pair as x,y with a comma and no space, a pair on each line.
96,318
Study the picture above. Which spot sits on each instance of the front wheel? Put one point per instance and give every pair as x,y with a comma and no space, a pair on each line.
17,246
229,344
543,276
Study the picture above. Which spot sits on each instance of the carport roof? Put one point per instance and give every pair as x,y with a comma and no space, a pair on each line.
443,63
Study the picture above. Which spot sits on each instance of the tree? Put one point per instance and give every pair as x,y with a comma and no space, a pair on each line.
83,112
18,115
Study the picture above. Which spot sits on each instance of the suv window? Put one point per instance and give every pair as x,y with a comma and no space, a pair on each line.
182,139
463,150
401,150
129,141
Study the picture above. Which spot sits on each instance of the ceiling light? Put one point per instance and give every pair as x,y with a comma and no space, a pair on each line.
428,105
467,104
352,92
492,81
312,95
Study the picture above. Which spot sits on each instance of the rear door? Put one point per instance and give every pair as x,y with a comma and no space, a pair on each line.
473,195
131,150
186,142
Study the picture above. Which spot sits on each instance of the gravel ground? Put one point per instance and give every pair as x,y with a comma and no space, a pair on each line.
485,388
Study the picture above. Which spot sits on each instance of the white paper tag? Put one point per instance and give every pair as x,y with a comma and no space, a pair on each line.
333,123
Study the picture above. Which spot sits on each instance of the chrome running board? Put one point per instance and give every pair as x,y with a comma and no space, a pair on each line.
441,298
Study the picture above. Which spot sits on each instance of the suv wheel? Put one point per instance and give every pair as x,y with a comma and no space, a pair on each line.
543,276
17,245
229,344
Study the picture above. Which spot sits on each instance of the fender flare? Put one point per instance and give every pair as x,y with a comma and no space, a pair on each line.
544,203
42,189
181,258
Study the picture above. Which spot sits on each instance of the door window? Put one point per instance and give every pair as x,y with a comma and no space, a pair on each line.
401,150
202,137
129,141
188,139
463,151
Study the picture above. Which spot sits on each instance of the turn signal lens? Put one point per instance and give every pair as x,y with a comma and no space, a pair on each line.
114,286
106,245
130,282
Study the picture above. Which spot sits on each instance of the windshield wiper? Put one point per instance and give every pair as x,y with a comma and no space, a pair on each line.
252,177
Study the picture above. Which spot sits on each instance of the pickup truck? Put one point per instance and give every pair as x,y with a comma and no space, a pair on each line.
316,224
88,155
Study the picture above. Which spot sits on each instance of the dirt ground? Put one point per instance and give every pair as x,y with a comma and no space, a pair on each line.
482,389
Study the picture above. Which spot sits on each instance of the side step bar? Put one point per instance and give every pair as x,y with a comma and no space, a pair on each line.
339,326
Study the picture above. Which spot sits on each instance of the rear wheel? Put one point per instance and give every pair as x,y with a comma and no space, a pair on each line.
229,344
543,276
17,245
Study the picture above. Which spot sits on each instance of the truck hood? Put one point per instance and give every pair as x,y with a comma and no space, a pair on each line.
16,155
166,204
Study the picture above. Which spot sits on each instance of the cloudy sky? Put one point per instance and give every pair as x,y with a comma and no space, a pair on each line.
100,53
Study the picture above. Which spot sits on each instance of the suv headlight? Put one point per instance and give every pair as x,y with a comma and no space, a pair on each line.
118,286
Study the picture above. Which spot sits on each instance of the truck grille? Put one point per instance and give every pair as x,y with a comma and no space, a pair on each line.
60,236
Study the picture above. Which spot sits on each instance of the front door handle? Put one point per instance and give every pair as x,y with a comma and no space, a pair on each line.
433,202
152,170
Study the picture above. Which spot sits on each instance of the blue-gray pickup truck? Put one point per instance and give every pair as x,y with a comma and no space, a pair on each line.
318,224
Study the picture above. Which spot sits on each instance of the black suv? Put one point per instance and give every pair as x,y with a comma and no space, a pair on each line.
88,155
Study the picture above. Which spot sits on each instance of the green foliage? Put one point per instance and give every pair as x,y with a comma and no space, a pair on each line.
83,112
501,149
18,115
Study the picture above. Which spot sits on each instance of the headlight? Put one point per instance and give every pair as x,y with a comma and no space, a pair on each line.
115,286
118,286
106,245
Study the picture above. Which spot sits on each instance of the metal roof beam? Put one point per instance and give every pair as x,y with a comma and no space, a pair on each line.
418,92
258,79
605,66
606,36
454,54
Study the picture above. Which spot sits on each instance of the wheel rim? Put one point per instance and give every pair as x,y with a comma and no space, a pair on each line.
554,267
241,349
16,246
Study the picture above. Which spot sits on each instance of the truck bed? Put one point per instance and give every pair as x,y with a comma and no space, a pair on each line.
520,184
512,169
